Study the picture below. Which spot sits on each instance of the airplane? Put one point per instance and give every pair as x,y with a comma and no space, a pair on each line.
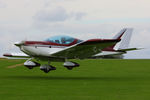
64,48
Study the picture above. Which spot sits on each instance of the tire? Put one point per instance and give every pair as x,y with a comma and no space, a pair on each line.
46,71
69,68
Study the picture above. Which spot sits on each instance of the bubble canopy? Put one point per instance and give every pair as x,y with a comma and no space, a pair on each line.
62,39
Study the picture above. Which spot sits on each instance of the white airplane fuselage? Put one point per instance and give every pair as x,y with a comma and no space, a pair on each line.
41,51
48,50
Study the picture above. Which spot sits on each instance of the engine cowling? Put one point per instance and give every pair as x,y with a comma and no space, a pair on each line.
31,64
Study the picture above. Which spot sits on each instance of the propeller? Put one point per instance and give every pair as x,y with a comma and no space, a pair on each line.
19,43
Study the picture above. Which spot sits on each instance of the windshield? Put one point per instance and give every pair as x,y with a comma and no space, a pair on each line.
62,39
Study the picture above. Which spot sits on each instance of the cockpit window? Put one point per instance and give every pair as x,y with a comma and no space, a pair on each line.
61,39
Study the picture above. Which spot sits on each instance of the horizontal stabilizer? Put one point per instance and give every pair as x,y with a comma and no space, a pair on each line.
129,49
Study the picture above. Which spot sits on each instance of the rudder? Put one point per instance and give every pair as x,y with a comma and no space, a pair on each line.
125,40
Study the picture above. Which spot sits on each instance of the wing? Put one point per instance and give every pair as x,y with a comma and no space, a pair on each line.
24,56
85,49
16,55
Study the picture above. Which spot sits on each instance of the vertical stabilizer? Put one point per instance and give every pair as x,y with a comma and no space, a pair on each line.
125,36
125,40
120,34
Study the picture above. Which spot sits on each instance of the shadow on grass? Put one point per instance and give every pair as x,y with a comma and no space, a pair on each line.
107,78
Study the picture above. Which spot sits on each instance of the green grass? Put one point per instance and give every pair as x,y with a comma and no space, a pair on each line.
93,80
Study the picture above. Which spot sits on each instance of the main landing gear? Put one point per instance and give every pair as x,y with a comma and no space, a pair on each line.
47,67
70,65
31,64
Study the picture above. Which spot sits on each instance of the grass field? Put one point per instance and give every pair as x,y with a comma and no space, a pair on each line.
93,80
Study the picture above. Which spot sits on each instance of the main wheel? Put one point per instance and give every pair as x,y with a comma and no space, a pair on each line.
30,67
46,71
69,67
53,68
47,68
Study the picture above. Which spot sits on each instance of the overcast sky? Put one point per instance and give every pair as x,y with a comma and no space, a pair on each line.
84,19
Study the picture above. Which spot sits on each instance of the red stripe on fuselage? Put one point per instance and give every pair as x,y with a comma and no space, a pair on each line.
104,40
48,43
88,42
110,48
91,41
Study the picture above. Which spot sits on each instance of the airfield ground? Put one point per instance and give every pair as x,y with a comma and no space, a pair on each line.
93,80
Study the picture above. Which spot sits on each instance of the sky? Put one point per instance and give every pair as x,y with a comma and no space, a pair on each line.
84,19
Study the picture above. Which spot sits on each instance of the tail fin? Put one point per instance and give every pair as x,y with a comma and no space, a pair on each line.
124,44
120,34
125,36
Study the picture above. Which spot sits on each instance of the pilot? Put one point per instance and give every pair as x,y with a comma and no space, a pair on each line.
57,41
63,40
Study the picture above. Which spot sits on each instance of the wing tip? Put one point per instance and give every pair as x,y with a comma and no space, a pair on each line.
7,55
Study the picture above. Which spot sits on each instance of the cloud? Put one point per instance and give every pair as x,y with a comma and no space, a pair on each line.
78,15
55,19
2,4
58,14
